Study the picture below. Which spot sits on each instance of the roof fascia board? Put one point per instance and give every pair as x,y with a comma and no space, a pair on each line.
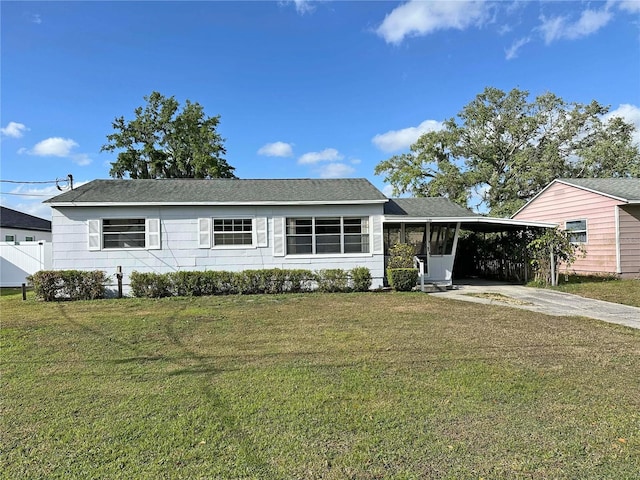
476,219
217,204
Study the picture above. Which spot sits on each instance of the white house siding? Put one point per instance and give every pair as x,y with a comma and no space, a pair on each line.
629,218
179,240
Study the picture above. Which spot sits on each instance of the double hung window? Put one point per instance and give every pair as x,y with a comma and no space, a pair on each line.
577,230
327,235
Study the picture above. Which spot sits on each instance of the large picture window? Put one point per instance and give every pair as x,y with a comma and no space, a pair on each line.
232,231
123,233
327,235
577,230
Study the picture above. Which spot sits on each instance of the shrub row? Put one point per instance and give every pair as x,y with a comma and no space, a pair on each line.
49,285
197,283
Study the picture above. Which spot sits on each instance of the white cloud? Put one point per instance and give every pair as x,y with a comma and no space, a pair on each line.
631,6
335,170
53,147
13,130
419,18
326,155
303,6
558,28
81,159
630,114
512,51
400,139
58,147
276,149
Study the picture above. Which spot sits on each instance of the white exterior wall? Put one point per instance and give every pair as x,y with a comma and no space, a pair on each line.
179,240
22,234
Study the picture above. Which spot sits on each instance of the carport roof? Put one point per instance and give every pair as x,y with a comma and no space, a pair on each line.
442,210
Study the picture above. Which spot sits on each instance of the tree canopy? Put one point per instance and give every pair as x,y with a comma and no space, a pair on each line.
164,142
504,148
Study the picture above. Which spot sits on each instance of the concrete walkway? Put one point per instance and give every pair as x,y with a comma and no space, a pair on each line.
541,300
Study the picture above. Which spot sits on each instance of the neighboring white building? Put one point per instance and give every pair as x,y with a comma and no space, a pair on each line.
230,224
16,226
25,246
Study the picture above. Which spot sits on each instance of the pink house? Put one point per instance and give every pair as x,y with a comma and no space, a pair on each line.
603,215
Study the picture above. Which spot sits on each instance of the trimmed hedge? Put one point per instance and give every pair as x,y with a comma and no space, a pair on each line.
360,279
267,281
402,279
50,285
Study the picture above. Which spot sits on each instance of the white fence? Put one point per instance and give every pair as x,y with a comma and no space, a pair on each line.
18,261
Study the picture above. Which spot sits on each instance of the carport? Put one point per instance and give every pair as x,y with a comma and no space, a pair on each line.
432,225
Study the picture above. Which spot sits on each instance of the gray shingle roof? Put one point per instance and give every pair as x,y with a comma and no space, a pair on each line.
10,218
232,191
426,207
627,189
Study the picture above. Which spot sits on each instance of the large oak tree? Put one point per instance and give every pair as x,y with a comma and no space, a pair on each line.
505,148
164,142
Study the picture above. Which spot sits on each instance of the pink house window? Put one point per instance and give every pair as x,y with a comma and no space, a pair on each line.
577,230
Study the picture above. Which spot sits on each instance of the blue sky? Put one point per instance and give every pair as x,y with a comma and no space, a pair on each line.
305,89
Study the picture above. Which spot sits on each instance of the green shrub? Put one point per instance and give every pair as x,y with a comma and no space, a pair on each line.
151,285
332,280
186,284
402,279
199,283
50,285
360,279
299,281
401,256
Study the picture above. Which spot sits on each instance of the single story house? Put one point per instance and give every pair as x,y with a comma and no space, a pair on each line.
602,215
231,224
17,226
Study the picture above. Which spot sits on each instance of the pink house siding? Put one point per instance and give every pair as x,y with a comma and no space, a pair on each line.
560,203
629,216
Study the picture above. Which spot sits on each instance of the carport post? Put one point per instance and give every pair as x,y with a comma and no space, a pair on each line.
553,269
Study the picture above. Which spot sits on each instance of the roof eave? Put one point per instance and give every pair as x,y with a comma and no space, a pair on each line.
216,204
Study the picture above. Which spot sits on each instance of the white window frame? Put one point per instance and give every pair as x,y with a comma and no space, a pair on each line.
207,232
365,225
573,231
253,243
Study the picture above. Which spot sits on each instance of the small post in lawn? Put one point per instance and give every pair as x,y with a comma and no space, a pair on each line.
119,277
24,292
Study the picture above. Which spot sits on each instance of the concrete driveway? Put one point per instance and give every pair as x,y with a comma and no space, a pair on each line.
541,300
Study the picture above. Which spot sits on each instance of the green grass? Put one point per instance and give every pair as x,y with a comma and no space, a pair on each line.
626,292
331,386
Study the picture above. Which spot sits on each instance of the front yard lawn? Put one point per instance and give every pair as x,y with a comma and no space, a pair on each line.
331,386
626,292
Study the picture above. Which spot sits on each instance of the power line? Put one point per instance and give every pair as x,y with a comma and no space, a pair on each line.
29,182
26,194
